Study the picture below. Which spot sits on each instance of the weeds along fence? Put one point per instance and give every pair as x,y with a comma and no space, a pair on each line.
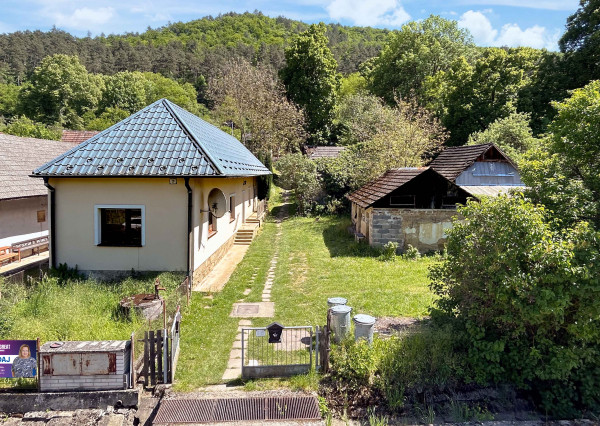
156,346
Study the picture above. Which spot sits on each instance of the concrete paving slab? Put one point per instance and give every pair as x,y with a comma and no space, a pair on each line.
218,277
253,310
231,373
245,323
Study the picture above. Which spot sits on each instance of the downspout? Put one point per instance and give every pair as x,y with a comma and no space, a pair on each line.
189,230
52,223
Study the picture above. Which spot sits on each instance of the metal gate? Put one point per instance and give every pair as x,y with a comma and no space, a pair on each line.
288,354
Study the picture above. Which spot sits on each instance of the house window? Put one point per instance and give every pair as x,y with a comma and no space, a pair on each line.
120,226
41,216
407,201
231,208
212,224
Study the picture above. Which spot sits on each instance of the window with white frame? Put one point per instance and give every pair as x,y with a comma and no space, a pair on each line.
120,225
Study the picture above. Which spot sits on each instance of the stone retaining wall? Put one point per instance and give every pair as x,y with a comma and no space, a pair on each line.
202,271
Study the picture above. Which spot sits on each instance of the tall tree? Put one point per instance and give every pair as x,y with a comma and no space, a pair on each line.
61,91
468,98
311,80
253,99
420,49
582,41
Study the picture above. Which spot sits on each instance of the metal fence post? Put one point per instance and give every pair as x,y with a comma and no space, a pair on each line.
317,348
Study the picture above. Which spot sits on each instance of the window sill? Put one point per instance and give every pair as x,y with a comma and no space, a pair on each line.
212,234
119,245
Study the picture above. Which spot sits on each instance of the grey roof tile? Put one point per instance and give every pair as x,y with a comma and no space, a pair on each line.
152,142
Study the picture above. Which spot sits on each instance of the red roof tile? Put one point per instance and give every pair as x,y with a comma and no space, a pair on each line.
77,136
454,160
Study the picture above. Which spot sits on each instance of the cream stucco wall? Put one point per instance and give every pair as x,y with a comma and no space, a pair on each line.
165,223
165,227
19,216
245,200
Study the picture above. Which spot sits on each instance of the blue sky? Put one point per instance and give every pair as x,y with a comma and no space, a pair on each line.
536,23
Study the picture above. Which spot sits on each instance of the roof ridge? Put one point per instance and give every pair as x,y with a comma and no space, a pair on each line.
191,134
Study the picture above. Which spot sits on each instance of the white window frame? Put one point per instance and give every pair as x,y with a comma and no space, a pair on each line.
98,207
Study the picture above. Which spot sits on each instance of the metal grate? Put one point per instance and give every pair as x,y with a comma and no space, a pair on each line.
237,409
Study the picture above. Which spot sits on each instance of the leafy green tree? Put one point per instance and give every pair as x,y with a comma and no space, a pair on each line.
184,95
573,158
311,80
124,90
352,84
468,98
522,299
511,134
61,91
25,127
109,117
299,174
582,41
419,50
9,95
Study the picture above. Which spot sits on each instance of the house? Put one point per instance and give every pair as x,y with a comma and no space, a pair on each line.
411,205
479,169
24,200
416,205
160,190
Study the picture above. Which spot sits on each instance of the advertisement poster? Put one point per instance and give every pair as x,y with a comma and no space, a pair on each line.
18,358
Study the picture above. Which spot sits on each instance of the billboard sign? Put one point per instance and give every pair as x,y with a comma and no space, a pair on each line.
18,358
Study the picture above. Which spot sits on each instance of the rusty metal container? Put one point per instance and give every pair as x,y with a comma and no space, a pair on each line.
91,365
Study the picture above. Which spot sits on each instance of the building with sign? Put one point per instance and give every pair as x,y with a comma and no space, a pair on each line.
162,190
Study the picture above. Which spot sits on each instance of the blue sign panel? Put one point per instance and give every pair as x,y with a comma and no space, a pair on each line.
18,358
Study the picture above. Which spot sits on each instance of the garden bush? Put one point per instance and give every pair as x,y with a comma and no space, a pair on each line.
522,297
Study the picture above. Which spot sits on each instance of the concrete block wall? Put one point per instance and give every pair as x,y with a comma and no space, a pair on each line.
424,229
202,271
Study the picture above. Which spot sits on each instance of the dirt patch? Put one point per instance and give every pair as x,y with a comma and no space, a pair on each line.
389,326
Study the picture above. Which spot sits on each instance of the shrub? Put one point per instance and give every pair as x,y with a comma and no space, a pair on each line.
412,253
524,299
388,252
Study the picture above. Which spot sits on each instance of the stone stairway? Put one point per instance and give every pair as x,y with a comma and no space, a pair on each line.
244,236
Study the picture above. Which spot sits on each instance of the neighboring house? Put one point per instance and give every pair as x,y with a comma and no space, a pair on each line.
161,190
479,169
416,205
412,205
77,136
24,200
315,152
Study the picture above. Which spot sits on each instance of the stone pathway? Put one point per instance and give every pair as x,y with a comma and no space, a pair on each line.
254,310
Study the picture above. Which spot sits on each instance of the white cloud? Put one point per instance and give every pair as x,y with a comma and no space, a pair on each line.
480,26
509,35
387,13
84,18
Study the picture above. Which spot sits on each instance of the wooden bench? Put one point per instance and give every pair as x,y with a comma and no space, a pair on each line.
33,244
6,254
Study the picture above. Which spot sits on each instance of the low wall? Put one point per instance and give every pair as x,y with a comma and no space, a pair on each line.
424,229
202,271
57,401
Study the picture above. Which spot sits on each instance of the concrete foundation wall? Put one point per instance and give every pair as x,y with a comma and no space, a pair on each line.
421,228
19,216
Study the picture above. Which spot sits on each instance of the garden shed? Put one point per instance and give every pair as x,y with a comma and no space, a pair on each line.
162,190
412,205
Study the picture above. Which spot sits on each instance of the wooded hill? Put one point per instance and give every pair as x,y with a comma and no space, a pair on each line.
184,50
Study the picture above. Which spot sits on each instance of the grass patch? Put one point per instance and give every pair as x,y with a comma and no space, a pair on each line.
319,259
77,309
207,330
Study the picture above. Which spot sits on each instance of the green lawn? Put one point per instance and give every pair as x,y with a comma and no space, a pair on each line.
317,259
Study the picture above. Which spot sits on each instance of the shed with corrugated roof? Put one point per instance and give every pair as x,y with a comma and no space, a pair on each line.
160,190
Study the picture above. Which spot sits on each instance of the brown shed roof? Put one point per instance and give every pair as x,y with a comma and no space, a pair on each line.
314,152
384,185
19,157
77,136
454,160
